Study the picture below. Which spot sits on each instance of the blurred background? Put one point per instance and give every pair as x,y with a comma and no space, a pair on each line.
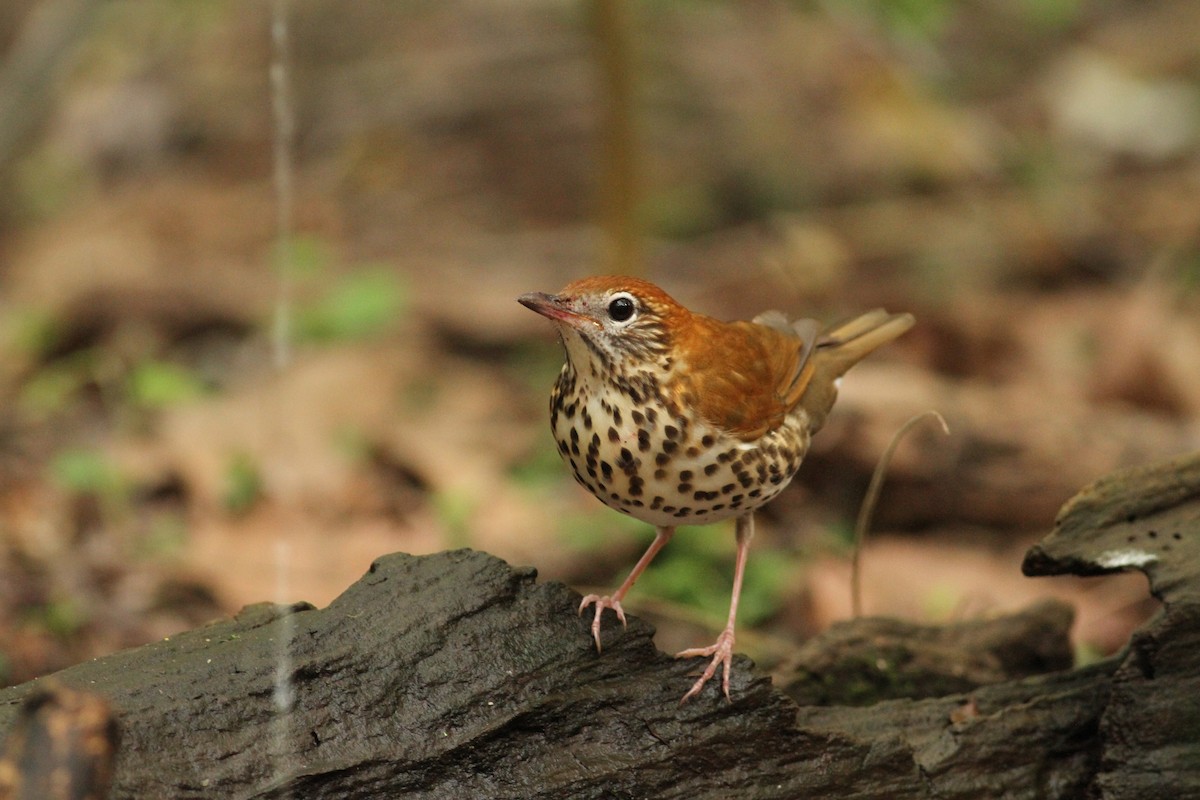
1020,175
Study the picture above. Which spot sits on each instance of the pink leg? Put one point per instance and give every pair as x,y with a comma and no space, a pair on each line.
722,650
613,601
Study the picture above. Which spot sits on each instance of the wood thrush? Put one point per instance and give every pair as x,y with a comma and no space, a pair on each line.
676,418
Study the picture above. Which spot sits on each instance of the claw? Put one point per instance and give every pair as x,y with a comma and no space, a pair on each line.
601,603
722,654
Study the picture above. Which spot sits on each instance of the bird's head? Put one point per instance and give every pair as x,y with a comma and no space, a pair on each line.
611,320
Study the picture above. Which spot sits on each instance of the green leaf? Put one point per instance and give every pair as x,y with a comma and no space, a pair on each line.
161,384
243,484
86,472
361,306
302,256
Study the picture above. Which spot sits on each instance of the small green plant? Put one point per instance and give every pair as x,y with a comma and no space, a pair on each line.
87,472
63,617
156,385
592,531
165,536
696,570
540,468
302,256
359,307
52,389
454,509
243,484
31,331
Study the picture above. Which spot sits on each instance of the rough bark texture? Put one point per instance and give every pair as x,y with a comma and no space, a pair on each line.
863,661
457,676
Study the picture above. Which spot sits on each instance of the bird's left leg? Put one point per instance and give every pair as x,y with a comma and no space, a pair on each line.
722,650
613,601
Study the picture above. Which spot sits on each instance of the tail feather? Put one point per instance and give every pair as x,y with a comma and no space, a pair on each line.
845,344
840,347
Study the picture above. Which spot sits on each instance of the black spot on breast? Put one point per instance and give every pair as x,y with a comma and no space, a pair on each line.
607,470
660,474
656,503
693,452
685,475
669,446
683,487
727,488
613,436
651,415
638,417
710,469
668,509
755,492
616,415
574,434
661,459
707,440
671,432
564,448
643,440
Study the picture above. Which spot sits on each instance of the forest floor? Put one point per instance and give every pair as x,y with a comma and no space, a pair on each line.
163,462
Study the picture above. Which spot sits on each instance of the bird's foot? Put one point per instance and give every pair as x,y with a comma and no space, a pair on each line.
601,603
722,655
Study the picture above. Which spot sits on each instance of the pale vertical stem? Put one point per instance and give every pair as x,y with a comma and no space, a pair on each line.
618,176
284,692
285,126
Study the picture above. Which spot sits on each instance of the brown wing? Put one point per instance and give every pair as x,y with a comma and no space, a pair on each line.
743,377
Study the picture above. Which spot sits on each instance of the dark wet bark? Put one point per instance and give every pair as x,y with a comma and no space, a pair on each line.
457,676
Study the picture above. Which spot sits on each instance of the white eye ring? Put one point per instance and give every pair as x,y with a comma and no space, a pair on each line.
622,308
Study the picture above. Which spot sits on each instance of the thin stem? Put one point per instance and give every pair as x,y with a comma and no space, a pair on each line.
867,509
285,126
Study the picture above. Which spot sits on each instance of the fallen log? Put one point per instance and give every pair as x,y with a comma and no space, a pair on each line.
458,676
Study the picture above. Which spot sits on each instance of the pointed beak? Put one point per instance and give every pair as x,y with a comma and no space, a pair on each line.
552,307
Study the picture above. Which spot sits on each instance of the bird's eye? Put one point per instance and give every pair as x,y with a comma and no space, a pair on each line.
621,308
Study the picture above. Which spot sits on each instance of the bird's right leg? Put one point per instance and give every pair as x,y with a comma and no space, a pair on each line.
613,601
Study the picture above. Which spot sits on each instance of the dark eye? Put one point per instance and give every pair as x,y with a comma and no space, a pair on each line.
621,308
